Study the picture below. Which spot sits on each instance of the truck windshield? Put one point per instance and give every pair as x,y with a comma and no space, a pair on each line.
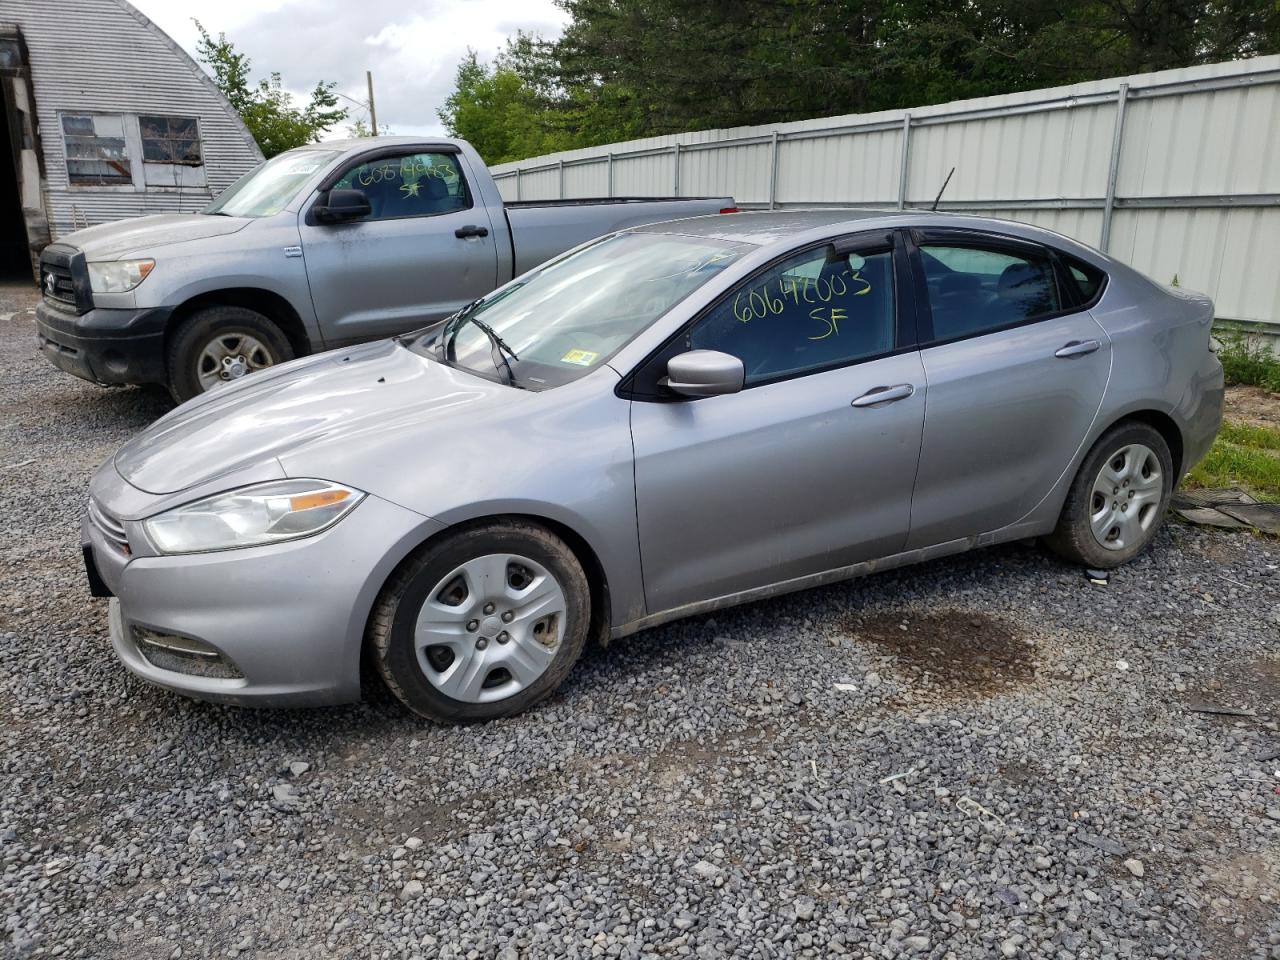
267,189
568,317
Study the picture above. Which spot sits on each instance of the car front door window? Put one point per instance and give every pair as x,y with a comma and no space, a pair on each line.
814,311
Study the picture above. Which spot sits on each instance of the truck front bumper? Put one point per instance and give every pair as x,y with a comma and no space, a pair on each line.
105,346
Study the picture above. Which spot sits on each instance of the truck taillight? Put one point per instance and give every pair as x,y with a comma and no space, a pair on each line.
729,210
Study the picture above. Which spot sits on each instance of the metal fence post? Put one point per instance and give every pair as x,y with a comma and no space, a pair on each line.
1113,171
675,153
560,171
904,168
610,160
773,171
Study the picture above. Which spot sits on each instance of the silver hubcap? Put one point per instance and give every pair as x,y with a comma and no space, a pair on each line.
230,357
1126,497
490,628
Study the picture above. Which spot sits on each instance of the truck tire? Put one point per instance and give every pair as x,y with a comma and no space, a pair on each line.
222,343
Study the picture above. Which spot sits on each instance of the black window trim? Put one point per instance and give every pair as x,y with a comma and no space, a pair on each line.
905,296
1068,291
389,153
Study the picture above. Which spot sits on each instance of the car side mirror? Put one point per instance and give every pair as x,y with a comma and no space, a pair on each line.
705,373
343,205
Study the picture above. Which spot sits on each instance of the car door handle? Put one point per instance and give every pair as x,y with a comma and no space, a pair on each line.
471,230
1077,348
878,395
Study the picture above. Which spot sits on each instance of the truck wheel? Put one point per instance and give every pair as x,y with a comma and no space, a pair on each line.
219,344
481,624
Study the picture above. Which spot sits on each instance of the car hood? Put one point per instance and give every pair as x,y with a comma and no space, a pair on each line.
140,235
343,398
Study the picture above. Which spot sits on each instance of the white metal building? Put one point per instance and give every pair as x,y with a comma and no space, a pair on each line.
1177,172
105,117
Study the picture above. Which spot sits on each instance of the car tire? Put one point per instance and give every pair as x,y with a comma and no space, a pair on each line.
245,337
1129,466
468,590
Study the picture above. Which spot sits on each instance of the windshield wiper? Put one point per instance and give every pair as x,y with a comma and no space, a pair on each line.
500,347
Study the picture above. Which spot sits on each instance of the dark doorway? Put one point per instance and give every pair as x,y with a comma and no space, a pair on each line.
15,257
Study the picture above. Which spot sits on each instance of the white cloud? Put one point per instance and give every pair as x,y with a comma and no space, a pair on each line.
412,49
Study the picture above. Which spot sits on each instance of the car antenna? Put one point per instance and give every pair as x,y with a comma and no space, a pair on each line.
934,208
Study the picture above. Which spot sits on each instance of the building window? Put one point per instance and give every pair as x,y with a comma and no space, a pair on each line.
170,140
96,151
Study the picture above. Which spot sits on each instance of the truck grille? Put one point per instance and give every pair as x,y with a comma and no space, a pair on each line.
64,278
56,284
109,527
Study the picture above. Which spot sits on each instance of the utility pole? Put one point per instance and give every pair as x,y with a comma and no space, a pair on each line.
373,114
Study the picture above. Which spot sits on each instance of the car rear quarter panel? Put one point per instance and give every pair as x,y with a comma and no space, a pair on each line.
1162,361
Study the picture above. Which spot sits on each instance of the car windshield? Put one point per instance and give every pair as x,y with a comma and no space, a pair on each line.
568,317
267,189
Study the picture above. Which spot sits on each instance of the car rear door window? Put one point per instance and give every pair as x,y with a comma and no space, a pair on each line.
813,311
974,290
413,185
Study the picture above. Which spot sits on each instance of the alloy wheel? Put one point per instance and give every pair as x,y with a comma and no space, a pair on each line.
231,356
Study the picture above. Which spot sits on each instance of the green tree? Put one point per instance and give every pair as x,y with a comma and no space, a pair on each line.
501,113
266,108
633,68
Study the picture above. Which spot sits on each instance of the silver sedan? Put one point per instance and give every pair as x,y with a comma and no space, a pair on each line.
662,422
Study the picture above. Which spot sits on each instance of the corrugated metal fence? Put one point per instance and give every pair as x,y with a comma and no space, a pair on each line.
1177,173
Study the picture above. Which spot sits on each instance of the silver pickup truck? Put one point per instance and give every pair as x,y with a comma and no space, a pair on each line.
319,247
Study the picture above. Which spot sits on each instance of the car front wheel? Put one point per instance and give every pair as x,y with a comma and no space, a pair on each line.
1118,499
483,623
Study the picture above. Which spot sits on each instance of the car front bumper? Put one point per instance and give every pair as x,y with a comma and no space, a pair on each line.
105,346
278,625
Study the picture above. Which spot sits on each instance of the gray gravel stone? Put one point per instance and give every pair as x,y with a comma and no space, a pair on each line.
985,683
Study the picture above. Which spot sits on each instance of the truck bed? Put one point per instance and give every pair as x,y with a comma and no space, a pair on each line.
542,229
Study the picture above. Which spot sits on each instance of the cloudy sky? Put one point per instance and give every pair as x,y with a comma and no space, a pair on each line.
412,46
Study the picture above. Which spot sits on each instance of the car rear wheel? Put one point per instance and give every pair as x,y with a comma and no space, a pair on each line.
482,624
1118,499
220,344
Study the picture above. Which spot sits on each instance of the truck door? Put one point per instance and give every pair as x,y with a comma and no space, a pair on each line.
425,249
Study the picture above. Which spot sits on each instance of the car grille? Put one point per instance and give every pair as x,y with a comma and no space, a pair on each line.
109,527
56,284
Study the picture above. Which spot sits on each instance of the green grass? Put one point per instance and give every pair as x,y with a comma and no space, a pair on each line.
1242,456
1249,363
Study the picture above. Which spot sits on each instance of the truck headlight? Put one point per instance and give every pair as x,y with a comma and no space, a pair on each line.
251,516
118,276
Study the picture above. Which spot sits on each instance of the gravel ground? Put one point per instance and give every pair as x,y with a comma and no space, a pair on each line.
986,756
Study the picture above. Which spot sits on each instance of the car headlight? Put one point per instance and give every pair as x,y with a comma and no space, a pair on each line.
252,516
118,276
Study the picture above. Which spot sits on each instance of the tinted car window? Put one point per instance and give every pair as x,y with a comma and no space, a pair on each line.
974,290
807,313
415,185
1088,279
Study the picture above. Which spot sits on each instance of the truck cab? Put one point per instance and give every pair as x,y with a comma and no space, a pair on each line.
319,247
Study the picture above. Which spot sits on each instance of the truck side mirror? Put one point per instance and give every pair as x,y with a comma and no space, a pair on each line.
343,205
705,373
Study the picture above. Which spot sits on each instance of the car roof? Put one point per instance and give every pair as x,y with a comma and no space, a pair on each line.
762,227
784,228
